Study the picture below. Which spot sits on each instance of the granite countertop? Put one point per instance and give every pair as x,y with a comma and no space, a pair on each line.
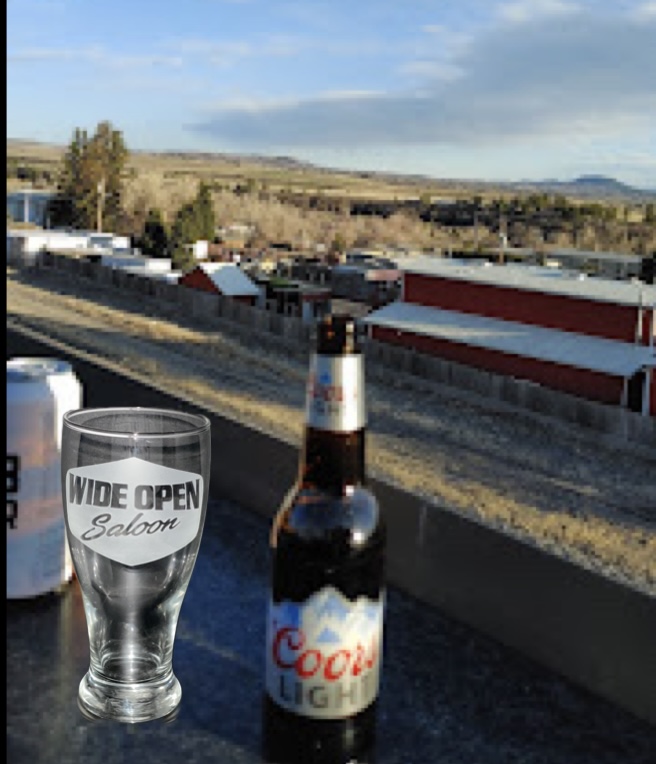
449,694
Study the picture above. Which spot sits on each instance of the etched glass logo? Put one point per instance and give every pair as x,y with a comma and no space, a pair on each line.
134,511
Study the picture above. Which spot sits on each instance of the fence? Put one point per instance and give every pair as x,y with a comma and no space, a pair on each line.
385,361
613,421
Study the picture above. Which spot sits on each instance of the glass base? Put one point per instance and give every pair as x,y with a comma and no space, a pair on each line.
130,703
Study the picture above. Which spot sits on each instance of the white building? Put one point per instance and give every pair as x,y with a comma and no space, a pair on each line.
24,244
614,265
222,278
29,206
200,249
125,260
109,241
155,273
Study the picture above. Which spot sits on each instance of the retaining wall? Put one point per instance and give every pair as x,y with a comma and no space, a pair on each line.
613,421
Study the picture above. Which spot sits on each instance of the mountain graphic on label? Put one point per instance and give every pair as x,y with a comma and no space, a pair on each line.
331,608
328,616
328,636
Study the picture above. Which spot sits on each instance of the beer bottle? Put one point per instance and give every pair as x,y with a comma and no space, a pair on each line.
327,590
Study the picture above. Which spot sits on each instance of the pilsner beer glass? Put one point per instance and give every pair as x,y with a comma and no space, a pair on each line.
135,484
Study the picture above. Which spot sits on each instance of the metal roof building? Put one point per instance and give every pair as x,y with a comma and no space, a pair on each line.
589,337
526,340
532,277
221,278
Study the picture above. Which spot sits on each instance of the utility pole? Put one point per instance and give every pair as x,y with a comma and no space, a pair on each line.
503,238
101,203
476,230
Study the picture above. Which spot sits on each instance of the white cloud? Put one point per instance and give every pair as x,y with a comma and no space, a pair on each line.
284,45
272,46
51,54
542,80
520,11
93,54
267,106
435,55
217,54
435,70
338,95
646,11
42,6
147,61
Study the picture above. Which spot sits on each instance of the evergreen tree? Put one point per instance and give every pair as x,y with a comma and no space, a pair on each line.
194,221
204,210
154,241
650,213
91,178
183,234
63,209
107,157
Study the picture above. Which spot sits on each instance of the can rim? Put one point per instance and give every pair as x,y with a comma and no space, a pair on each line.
75,419
36,368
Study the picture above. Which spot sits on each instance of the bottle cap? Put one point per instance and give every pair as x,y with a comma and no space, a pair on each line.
337,334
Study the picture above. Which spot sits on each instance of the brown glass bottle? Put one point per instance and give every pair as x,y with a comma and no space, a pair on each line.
325,620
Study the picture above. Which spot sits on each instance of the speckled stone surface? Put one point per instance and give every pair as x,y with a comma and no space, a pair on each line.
449,695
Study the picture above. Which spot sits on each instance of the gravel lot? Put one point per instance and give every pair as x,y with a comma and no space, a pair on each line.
563,488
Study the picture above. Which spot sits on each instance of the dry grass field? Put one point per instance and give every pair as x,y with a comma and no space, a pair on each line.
562,488
167,181
229,170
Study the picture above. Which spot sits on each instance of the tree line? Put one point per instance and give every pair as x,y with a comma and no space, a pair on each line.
95,190
90,191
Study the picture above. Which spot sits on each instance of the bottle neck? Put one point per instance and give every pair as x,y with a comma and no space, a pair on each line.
333,454
332,461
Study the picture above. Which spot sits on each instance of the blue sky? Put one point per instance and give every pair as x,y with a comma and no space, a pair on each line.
475,89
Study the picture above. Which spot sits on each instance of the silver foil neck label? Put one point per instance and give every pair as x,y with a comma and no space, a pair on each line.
335,393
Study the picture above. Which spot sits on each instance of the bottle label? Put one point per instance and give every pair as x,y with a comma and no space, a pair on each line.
324,654
134,511
335,393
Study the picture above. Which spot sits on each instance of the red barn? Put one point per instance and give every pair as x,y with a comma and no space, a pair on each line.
590,337
222,278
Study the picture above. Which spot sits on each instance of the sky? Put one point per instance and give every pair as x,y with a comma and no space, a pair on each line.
454,89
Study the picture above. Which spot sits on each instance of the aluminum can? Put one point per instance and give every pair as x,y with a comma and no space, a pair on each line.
39,392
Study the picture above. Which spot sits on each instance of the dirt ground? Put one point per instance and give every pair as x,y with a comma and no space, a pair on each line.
563,488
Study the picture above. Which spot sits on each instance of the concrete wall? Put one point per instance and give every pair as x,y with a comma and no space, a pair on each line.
294,335
591,630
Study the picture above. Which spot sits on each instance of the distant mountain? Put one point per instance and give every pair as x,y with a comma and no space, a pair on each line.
589,186
592,187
